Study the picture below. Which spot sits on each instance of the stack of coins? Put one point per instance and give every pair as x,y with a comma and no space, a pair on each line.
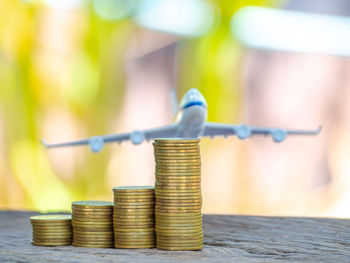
133,217
51,230
92,224
178,194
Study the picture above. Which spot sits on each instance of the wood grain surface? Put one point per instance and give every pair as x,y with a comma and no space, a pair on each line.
228,238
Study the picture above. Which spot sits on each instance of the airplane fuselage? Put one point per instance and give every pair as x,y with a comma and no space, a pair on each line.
191,121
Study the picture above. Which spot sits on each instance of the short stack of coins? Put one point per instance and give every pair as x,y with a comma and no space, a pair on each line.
51,230
178,194
133,217
92,224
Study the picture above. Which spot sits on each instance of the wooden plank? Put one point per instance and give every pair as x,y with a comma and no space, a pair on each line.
227,238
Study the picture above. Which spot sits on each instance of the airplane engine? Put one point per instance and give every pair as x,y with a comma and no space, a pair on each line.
96,144
279,135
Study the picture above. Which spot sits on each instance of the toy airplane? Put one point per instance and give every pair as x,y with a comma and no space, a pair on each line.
191,123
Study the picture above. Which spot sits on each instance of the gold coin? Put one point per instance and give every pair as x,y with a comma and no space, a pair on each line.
177,229
93,245
196,197
134,211
117,227
133,217
133,188
134,246
101,221
178,219
92,224
180,248
172,187
161,193
184,150
93,220
174,238
92,217
177,206
174,222
93,239
60,233
170,201
45,234
161,225
51,218
92,210
51,244
174,139
149,236
161,175
92,213
92,204
176,145
162,158
134,222
136,233
133,200
177,153
53,232
135,230
130,238
90,233
178,214
181,146
134,243
180,179
167,167
178,182
91,242
146,204
178,162
186,178
175,241
162,190
142,194
178,210
179,233
134,225
52,240
177,188
93,228
180,243
53,223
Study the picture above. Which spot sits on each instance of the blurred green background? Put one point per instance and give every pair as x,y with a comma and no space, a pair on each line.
73,69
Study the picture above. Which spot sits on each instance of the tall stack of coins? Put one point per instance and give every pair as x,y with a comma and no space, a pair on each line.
51,230
178,194
133,217
92,224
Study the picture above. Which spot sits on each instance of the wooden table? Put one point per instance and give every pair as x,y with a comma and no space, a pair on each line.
228,238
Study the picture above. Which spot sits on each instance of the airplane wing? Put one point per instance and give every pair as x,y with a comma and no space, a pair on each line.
244,131
136,137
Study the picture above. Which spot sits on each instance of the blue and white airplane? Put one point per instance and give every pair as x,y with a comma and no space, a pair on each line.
190,123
